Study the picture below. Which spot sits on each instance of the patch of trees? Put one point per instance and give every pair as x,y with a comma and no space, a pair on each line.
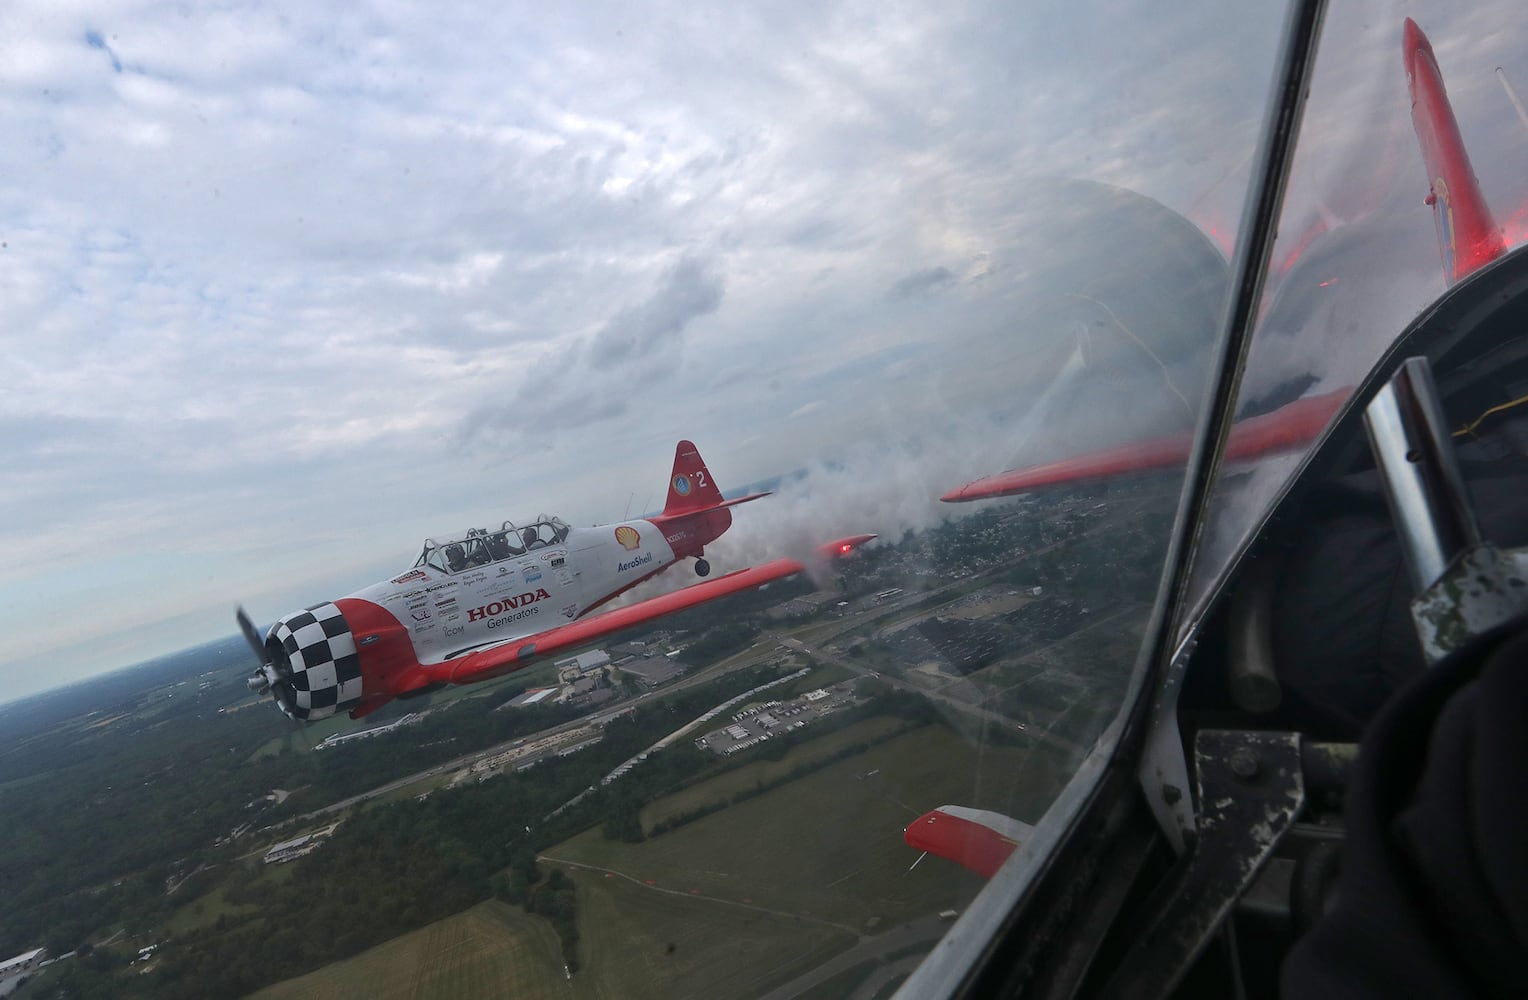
556,901
386,871
721,641
94,844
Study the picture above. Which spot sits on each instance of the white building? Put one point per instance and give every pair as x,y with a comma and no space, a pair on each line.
287,850
582,665
14,970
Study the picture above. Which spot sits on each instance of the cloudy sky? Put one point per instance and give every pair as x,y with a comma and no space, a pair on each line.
286,287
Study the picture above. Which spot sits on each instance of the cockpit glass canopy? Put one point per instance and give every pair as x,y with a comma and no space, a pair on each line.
482,546
1364,245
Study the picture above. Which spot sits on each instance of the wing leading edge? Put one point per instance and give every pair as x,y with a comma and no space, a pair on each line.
1288,427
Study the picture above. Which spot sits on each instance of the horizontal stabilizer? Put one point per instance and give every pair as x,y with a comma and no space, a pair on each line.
1468,236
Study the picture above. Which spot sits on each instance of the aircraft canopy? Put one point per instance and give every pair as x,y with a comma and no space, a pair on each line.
482,546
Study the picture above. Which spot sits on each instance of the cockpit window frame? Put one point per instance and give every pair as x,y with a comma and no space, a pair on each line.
1006,935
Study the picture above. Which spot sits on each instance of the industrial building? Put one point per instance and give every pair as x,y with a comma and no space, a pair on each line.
584,664
289,850
15,971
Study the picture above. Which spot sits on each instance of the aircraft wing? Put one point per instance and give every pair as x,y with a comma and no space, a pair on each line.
522,652
1287,427
978,839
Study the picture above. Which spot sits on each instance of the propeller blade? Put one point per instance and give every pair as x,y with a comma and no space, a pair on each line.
273,675
251,636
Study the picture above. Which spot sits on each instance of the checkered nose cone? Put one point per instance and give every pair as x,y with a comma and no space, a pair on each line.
326,671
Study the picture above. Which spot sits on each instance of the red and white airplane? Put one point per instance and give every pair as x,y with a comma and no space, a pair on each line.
490,601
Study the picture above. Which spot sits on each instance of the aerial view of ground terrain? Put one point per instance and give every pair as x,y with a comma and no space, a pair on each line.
714,806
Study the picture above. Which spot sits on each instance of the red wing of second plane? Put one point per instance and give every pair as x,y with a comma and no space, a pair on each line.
1287,427
490,601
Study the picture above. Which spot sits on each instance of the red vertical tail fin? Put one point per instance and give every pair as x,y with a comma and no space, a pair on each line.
1467,234
690,485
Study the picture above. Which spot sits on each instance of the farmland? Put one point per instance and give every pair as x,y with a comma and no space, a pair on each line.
489,950
777,850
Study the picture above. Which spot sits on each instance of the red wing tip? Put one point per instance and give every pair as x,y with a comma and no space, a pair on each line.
981,489
844,546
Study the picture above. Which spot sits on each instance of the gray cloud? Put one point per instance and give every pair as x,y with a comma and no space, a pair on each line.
650,332
924,282
285,290
593,380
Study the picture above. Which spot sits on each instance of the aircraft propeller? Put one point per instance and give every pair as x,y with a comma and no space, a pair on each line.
274,672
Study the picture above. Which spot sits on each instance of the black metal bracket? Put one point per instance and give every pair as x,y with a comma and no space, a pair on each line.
1251,788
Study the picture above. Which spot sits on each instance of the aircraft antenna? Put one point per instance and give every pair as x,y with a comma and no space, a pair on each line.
1517,102
629,498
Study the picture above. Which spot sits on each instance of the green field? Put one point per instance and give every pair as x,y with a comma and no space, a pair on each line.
820,677
491,950
303,738
829,846
842,984
645,944
723,787
204,911
733,904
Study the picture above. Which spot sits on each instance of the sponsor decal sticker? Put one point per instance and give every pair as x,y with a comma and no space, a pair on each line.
682,485
458,630
531,572
510,603
571,611
1443,213
628,537
513,617
422,615
410,577
633,564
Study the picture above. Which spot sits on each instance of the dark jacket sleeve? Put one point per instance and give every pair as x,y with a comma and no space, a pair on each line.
1433,897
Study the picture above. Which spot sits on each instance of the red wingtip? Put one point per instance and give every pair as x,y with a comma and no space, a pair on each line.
844,546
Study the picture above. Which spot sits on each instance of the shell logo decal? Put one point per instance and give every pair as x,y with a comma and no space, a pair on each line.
627,536
682,485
